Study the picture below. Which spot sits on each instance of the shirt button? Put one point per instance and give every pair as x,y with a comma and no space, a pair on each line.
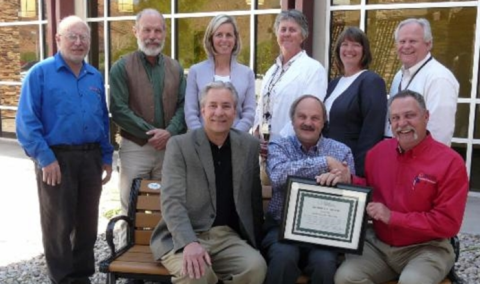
212,216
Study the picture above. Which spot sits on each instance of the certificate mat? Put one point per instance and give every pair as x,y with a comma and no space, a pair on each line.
328,216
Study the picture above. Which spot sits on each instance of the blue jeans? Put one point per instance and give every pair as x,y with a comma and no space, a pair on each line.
287,261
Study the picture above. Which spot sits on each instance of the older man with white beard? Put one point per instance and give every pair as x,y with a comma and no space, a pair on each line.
418,203
147,91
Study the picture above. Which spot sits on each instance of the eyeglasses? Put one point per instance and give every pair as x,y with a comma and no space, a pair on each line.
75,37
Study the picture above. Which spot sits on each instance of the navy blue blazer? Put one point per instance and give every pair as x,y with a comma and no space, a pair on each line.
357,116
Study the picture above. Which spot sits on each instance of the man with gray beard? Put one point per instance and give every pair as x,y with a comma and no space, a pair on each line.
147,91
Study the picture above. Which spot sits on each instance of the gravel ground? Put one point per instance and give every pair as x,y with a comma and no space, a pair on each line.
33,271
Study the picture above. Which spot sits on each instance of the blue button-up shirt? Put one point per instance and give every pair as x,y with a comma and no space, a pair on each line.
287,156
57,107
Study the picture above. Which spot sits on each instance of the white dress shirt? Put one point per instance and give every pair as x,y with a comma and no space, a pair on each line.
440,90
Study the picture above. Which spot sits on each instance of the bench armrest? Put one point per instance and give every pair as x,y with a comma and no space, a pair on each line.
111,226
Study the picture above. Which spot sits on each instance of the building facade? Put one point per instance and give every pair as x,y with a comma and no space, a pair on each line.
27,29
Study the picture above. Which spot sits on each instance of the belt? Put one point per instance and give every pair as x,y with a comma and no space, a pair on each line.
134,139
81,147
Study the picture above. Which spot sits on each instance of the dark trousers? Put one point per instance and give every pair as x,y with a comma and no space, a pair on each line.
69,214
286,261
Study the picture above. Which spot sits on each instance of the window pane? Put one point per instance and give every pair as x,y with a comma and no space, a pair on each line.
267,4
474,176
461,121
189,6
460,149
19,10
340,20
451,48
20,51
132,7
345,2
7,117
95,8
267,47
476,129
190,40
96,56
123,41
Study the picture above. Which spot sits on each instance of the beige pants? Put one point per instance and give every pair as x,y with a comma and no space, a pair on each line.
136,161
233,260
426,263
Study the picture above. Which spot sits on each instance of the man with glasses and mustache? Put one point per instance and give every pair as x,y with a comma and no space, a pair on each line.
147,90
418,201
62,124
305,154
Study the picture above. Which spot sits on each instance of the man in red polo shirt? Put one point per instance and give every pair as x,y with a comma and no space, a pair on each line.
420,189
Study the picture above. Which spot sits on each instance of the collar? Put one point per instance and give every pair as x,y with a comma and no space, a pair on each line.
225,145
417,150
143,56
414,68
298,145
60,63
278,61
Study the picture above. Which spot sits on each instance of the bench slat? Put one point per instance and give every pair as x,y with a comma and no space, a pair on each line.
143,237
151,203
144,220
145,189
154,268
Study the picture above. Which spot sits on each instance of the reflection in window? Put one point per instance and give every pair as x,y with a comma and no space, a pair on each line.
461,120
267,47
95,8
7,117
23,46
450,47
96,56
475,169
461,149
19,10
340,20
267,4
28,10
190,40
132,7
189,6
345,2
122,39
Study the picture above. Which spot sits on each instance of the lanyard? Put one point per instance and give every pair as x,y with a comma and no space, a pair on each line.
266,105
413,76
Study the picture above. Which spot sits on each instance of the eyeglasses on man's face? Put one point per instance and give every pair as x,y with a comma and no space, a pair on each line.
71,37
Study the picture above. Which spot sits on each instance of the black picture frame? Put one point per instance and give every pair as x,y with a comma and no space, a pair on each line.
330,217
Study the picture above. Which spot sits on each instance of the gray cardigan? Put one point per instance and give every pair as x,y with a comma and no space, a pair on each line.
241,77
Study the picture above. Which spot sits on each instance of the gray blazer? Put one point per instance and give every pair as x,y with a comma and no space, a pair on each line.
188,193
242,77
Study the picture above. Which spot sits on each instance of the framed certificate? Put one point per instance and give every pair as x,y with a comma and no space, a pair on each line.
333,217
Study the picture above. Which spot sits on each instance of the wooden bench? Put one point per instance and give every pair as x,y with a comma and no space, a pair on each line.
135,260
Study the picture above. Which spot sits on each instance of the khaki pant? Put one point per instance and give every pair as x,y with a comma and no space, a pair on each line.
425,263
233,260
136,162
